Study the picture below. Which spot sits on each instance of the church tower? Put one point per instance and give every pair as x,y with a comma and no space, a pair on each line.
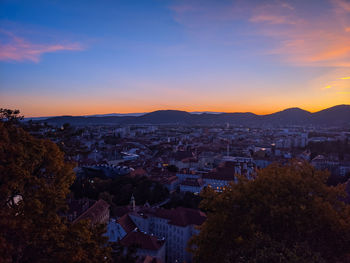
132,202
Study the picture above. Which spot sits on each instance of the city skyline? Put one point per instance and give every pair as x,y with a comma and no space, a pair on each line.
59,58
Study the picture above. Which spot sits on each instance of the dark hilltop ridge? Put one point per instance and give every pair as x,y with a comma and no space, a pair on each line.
334,116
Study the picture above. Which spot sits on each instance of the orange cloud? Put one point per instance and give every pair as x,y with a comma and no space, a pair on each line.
306,41
345,78
313,42
343,5
19,49
297,37
337,51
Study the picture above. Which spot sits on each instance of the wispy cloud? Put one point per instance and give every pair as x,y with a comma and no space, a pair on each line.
14,48
272,19
332,82
309,41
299,33
277,13
343,5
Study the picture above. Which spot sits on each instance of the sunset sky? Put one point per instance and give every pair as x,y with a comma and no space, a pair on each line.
95,57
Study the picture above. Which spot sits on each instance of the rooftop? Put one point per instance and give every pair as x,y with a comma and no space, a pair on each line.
142,240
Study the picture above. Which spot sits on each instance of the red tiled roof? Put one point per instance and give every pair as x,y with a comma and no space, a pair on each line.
180,155
189,160
122,210
142,240
219,176
192,182
77,207
139,172
149,259
165,179
94,211
221,173
170,179
181,216
126,223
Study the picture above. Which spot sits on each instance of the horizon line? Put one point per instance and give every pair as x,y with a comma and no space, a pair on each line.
191,112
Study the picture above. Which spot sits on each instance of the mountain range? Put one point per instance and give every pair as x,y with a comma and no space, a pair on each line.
335,116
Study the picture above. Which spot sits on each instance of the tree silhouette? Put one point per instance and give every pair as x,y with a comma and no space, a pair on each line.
34,183
10,116
286,214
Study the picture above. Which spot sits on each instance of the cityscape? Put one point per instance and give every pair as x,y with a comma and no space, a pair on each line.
174,131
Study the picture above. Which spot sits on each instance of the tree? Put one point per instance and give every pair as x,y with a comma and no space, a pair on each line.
34,183
10,116
66,126
286,214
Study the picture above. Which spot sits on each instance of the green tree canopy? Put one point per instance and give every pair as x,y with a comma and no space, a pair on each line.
286,214
34,183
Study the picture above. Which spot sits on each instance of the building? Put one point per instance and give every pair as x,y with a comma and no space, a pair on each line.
85,209
221,176
241,165
169,181
184,159
344,169
192,185
98,213
146,245
118,229
186,174
218,181
176,226
321,162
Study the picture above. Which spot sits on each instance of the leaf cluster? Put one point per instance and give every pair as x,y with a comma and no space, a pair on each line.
286,214
34,183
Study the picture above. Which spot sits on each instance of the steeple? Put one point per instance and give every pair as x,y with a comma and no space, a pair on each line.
132,202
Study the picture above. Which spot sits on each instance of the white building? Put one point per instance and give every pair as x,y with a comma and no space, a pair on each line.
192,185
176,226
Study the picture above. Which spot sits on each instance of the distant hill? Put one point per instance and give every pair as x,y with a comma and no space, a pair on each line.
117,114
334,116
165,116
288,116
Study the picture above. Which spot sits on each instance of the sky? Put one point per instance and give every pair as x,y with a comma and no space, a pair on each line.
97,57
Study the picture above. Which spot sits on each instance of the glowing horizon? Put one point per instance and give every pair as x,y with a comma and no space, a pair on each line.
223,56
151,109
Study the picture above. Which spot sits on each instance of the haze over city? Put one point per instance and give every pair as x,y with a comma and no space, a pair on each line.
93,57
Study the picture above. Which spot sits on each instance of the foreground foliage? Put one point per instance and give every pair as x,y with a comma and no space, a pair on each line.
34,183
287,214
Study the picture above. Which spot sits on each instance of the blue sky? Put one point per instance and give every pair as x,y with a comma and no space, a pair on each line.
89,57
